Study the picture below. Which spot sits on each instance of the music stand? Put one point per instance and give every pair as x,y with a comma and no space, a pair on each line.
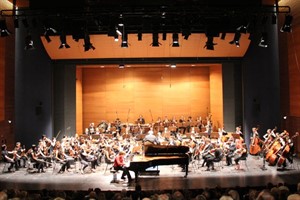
236,136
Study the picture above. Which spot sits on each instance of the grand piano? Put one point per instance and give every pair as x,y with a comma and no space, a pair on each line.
155,155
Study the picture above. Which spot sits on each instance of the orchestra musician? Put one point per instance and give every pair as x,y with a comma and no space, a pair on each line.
150,138
205,153
9,157
61,157
238,130
92,128
20,155
240,152
119,164
229,151
37,157
141,120
215,155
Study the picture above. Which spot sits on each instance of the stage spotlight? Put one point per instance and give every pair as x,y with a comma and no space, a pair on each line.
3,29
155,42
63,41
118,31
140,36
48,31
121,21
164,36
121,66
186,34
263,40
28,43
173,65
223,36
87,43
175,42
236,39
242,29
124,43
210,43
116,37
287,26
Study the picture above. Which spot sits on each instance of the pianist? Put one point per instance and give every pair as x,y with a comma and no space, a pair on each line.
119,164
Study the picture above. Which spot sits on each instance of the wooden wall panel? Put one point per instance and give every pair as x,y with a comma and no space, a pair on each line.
216,96
2,79
293,49
152,92
79,117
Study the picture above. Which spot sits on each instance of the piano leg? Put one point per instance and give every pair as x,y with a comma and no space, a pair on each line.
136,176
186,170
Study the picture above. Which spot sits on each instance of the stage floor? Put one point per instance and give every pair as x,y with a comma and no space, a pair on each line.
170,178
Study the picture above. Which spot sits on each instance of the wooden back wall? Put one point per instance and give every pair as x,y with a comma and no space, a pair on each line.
108,93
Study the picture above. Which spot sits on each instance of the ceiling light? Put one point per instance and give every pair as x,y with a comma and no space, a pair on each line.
209,45
155,42
175,40
3,29
87,43
28,43
236,39
263,40
63,41
287,26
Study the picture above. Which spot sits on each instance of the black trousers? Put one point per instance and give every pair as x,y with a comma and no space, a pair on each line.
125,172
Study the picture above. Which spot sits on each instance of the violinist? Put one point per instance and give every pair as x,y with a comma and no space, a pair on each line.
61,157
9,157
37,157
240,152
215,155
20,155
205,153
229,150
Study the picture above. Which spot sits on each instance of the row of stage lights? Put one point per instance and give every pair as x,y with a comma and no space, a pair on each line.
209,45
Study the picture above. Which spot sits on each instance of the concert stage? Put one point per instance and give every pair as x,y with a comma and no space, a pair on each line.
170,177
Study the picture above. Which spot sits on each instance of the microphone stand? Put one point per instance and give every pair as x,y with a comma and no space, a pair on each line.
264,161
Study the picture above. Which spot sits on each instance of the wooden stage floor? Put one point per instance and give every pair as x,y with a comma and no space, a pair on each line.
170,177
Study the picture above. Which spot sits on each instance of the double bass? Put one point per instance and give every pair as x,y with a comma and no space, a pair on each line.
255,146
283,155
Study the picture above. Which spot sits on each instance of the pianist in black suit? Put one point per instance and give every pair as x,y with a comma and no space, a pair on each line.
119,164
